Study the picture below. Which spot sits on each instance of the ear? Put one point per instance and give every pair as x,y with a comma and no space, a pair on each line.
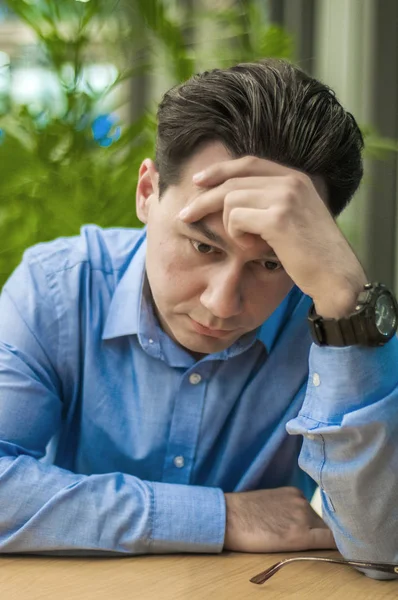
147,189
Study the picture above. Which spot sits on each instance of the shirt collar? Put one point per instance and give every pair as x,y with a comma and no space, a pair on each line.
124,311
295,303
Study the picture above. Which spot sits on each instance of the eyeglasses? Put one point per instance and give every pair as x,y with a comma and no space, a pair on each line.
376,566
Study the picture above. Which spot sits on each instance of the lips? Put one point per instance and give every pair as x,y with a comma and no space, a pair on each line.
203,330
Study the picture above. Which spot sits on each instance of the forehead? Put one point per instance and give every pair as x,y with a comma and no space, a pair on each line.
206,156
181,194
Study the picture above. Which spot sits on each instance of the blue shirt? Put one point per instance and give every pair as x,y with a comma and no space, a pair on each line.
114,440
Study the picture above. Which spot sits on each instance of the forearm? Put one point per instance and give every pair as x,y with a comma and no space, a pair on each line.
350,426
46,509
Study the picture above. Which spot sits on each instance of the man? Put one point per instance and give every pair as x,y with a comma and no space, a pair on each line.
147,378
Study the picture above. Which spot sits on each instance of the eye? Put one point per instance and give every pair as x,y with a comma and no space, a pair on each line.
203,248
270,265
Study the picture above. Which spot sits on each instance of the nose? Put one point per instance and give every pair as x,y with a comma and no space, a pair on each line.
223,294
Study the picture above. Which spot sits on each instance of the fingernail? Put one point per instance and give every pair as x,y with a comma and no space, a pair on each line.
183,213
198,176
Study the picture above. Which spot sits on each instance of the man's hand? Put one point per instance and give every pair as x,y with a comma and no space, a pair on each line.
277,520
282,205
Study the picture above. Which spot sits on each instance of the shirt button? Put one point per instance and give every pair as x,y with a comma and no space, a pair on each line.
195,378
179,461
150,341
310,436
316,380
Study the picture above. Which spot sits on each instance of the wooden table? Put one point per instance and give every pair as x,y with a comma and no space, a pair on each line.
183,577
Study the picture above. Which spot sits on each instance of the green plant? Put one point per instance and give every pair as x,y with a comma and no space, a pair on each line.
55,174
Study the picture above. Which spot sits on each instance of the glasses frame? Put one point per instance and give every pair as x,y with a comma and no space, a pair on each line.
376,566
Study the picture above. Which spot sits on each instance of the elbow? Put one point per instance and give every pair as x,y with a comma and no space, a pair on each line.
380,575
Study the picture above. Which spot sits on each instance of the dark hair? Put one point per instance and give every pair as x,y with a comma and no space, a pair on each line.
270,109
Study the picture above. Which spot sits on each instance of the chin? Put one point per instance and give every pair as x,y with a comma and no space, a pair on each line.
202,345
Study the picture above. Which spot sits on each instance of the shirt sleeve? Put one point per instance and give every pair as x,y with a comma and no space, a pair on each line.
49,510
349,421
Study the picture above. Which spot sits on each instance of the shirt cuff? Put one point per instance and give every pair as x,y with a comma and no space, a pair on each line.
187,518
343,380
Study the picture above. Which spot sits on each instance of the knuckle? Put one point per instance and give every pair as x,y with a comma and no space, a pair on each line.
233,216
296,184
290,192
290,198
294,491
250,160
230,184
302,506
231,198
280,217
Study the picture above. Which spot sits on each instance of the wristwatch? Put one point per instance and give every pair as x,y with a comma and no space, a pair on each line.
373,323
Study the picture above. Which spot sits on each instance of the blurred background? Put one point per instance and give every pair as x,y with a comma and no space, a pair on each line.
80,81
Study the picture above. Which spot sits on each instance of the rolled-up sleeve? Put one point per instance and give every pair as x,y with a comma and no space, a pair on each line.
349,422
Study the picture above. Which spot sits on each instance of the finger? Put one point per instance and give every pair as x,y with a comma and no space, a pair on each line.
249,200
321,538
239,167
242,221
245,191
246,241
204,204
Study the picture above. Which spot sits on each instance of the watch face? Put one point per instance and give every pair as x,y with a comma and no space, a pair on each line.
386,317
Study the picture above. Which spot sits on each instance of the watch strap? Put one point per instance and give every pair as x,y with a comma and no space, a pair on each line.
362,327
347,331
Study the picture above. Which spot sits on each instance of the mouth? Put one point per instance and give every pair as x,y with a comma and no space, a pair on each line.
216,333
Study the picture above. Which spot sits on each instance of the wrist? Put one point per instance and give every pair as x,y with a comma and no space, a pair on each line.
340,302
229,518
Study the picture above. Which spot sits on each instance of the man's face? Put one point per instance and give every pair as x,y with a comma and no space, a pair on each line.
207,290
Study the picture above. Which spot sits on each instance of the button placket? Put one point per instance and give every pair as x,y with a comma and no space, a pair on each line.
179,461
195,378
185,427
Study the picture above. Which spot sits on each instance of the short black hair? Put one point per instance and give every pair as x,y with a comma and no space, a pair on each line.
269,109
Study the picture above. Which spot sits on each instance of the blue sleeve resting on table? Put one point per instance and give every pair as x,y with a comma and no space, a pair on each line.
49,510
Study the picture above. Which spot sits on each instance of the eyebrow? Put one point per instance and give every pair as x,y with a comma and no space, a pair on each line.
212,236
